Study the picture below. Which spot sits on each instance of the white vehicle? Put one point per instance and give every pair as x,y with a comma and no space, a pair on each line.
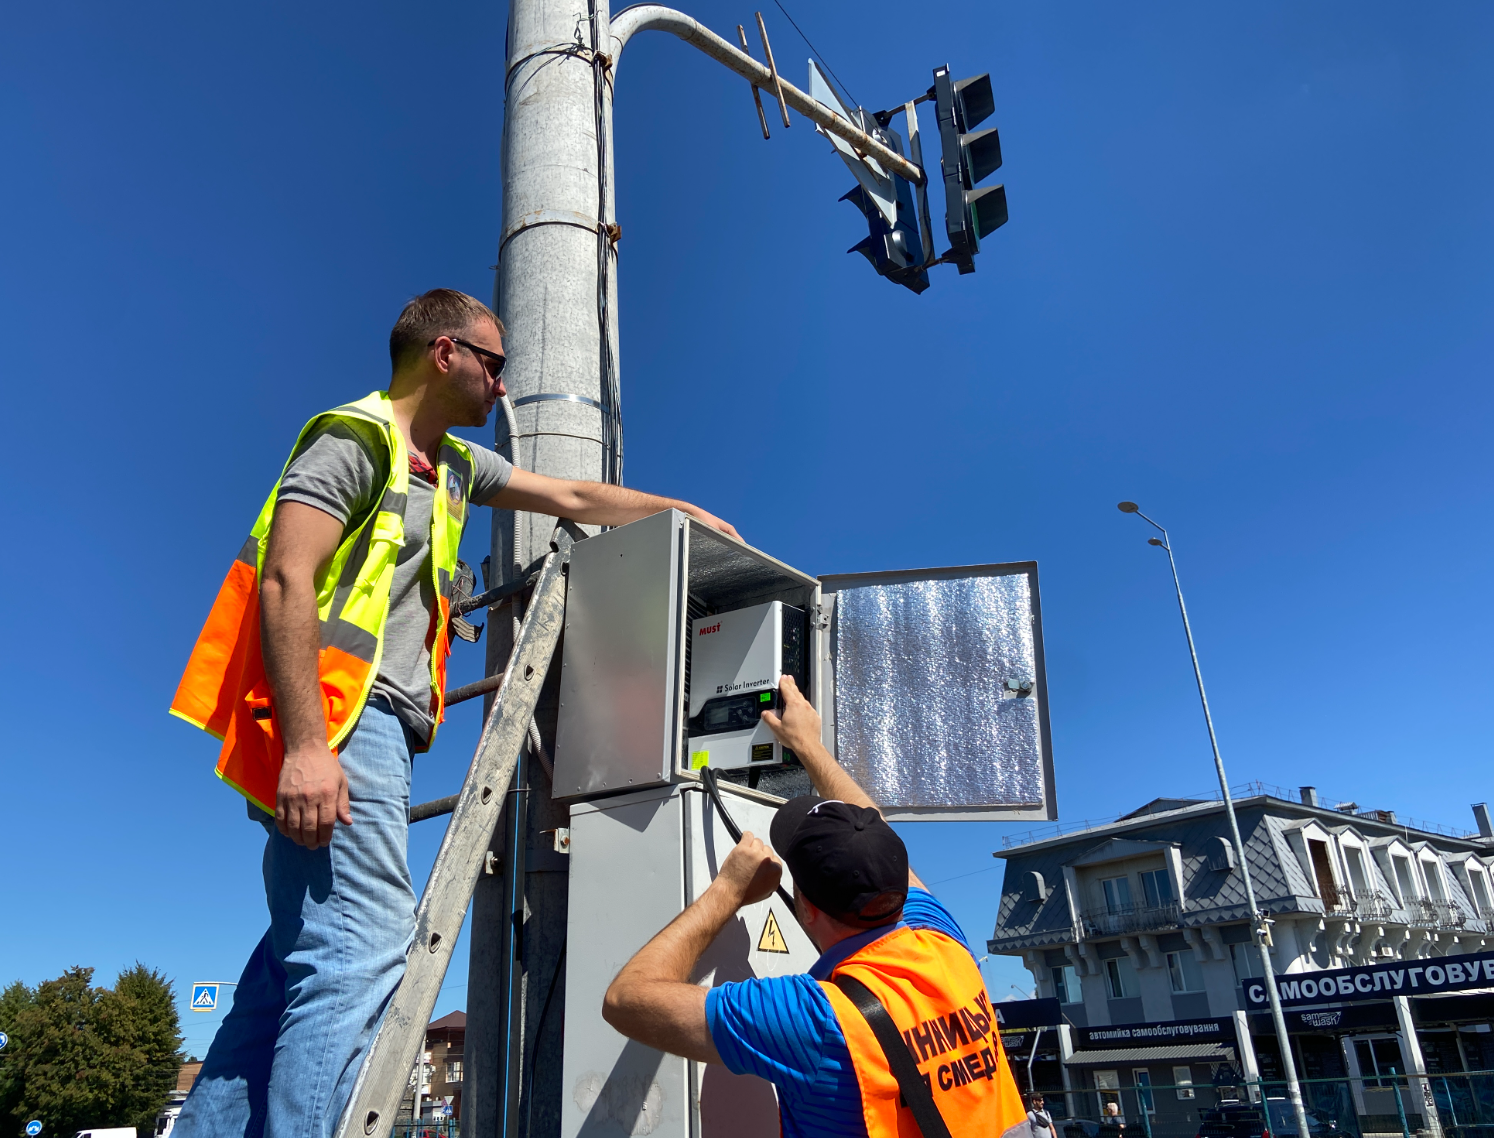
107,1132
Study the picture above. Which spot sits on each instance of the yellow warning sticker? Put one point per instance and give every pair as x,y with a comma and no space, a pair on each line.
772,938
699,759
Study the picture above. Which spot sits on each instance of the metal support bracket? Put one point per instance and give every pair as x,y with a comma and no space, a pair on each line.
762,30
757,99
385,1073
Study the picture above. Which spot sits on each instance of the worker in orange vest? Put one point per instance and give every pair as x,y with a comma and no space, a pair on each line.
322,668
891,1034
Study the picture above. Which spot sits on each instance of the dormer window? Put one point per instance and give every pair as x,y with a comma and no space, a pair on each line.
1404,881
1480,886
1433,874
1358,880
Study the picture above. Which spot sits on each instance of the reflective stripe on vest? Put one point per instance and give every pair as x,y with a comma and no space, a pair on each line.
224,690
933,991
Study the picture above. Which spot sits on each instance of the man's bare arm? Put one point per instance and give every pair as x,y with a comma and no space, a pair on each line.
652,999
799,730
594,503
313,791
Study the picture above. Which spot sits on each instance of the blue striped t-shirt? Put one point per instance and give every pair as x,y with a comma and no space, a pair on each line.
783,1029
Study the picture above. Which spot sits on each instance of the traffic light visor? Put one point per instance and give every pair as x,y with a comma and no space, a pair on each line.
988,207
974,101
983,152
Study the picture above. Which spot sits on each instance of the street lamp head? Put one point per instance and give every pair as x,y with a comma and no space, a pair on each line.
1127,507
1154,541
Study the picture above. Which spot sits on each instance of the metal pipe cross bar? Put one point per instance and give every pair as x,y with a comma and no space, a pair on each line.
657,18
385,1073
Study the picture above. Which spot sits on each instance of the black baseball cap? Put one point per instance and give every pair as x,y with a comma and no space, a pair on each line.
844,858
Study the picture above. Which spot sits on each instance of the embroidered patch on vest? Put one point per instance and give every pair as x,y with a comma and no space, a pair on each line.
456,501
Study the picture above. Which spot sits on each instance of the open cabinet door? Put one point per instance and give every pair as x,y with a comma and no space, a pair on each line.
934,692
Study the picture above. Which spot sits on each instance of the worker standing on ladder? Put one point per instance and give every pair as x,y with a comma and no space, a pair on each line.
322,667
891,1033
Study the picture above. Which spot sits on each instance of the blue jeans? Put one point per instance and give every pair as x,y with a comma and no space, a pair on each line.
341,921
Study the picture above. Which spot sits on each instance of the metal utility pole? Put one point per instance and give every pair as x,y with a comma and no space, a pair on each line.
556,292
1258,924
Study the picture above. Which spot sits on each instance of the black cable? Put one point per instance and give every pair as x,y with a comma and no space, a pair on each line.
817,54
708,777
612,443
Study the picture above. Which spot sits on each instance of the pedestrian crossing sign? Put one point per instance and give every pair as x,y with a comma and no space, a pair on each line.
204,997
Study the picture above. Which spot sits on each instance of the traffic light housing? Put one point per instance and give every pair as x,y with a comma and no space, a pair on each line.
895,251
968,156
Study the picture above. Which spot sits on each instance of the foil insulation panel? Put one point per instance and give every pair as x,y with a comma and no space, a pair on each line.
925,718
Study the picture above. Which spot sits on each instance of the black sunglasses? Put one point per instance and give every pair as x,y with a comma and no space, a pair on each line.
482,353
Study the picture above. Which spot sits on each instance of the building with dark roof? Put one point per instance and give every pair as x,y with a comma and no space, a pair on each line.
1142,922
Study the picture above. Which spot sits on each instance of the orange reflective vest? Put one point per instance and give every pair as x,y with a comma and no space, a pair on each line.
933,991
224,690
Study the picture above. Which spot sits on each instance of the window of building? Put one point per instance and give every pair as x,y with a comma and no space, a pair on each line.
1403,879
1157,886
1066,985
1433,873
1121,976
1247,961
1358,880
1480,885
1322,871
1379,1057
453,1070
1182,1078
1108,1084
1143,1080
1184,971
1117,894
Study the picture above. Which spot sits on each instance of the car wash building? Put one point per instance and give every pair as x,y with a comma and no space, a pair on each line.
1382,941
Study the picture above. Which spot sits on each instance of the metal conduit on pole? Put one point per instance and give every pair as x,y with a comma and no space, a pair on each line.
1258,924
556,292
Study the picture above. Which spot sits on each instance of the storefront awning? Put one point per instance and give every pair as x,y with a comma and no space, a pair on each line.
1215,1051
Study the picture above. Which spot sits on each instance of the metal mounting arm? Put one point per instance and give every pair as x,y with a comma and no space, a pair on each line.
657,18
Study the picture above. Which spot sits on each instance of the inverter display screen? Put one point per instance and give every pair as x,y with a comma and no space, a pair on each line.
732,713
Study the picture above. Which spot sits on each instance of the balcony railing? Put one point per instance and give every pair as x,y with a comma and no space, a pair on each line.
1436,914
1372,906
1131,919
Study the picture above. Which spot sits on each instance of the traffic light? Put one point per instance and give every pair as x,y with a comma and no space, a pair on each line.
968,157
893,243
896,250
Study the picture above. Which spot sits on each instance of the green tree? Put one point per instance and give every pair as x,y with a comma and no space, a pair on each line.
81,1056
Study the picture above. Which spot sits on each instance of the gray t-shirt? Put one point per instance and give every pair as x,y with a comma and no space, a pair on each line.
335,471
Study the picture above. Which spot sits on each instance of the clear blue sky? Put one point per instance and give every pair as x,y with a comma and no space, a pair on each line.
1247,282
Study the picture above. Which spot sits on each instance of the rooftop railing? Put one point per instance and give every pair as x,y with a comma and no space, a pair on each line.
1250,789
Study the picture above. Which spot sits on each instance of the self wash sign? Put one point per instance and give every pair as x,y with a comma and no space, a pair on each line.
1377,981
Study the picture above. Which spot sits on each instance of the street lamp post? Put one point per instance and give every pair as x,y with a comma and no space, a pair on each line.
1260,928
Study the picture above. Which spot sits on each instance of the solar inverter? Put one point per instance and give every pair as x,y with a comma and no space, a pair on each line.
736,659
